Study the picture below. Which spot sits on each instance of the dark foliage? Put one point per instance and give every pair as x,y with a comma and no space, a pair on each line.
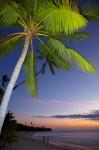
8,134
11,127
1,94
21,127
3,84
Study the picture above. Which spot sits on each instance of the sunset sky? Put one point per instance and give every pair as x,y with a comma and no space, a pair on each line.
67,93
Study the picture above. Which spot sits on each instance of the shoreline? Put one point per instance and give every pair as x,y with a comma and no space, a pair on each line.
49,145
26,142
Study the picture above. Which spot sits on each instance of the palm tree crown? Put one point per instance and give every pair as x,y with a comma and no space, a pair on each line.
48,19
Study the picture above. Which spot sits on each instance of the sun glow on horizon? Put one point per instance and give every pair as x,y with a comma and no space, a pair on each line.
62,123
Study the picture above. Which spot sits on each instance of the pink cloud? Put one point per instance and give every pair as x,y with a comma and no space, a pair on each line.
90,103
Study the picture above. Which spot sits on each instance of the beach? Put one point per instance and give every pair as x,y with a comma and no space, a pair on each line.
25,142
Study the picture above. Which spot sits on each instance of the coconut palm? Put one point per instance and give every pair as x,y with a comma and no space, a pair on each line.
44,20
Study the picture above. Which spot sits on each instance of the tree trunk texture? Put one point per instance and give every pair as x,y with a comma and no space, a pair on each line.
15,74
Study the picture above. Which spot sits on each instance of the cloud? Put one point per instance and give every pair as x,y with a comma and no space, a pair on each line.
40,116
68,103
93,115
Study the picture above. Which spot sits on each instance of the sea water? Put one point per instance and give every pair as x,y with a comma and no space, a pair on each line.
82,139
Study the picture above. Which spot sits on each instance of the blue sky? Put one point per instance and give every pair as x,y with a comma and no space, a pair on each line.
68,92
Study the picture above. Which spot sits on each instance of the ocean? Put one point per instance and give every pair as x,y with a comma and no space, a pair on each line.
81,139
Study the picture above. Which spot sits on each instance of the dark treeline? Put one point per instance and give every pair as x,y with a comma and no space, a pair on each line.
21,127
10,119
11,127
10,123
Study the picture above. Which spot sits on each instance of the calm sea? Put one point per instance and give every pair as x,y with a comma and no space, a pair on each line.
84,139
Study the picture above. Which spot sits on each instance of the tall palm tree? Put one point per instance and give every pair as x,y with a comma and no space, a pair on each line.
48,21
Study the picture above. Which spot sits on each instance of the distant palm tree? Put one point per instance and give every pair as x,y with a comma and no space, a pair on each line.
47,21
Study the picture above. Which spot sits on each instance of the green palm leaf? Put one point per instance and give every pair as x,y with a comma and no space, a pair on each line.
29,5
43,68
51,68
82,62
52,57
29,67
8,43
90,10
10,12
77,36
71,55
61,18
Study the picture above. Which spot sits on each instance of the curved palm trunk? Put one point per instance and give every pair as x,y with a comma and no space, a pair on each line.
8,92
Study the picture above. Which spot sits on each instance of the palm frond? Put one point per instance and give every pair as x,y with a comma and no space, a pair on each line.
10,12
8,43
90,10
35,8
29,5
51,66
77,36
61,18
29,67
52,57
83,63
43,68
71,55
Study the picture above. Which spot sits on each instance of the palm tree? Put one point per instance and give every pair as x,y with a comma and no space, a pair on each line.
48,21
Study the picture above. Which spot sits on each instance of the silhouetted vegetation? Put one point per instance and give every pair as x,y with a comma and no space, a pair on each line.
8,134
21,127
1,94
3,84
11,127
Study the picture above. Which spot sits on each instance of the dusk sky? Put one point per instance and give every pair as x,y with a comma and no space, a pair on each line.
66,93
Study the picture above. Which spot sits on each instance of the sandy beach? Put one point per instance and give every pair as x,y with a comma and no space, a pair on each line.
25,142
